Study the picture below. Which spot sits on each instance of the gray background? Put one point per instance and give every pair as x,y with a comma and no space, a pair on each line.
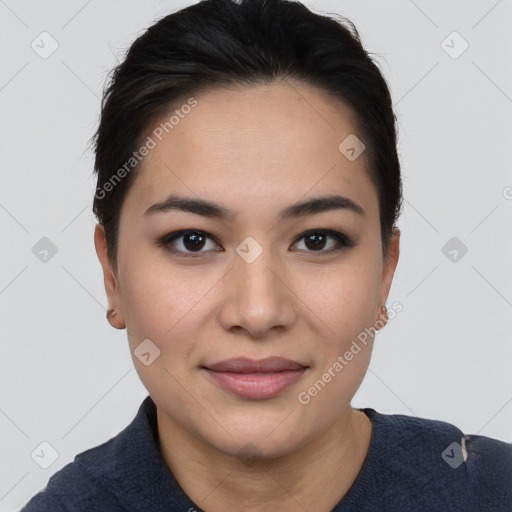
66,376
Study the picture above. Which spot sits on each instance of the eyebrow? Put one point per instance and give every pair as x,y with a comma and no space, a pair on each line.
216,211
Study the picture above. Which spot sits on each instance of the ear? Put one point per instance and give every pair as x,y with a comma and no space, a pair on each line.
110,280
389,266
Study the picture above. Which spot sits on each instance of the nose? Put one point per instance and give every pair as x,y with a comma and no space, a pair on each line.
257,299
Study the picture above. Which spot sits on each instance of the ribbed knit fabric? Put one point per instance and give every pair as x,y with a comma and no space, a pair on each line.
411,466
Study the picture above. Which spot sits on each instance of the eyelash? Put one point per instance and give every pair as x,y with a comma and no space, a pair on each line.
342,240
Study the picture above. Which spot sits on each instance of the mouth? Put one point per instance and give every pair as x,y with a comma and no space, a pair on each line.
255,379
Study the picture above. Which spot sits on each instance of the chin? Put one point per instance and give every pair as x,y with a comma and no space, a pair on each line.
258,436
249,447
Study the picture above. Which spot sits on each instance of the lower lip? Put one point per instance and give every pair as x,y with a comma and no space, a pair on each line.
256,385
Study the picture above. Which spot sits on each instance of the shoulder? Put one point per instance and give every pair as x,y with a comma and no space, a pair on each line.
125,473
440,464
489,471
94,479
474,451
76,487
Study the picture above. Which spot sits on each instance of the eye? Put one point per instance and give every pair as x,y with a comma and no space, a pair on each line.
187,243
316,241
190,243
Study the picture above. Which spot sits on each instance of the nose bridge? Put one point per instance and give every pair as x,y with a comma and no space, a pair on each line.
256,300
255,279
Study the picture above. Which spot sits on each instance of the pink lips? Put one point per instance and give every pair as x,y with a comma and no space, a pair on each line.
256,379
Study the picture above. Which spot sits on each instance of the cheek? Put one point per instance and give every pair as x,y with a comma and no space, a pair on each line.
165,304
345,300
150,298
330,391
344,346
157,309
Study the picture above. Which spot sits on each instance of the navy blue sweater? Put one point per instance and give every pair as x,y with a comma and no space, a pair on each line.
413,464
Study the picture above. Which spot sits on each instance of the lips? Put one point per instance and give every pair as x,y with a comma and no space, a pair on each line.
244,365
255,379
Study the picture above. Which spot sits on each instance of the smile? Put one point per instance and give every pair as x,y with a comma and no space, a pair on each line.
255,379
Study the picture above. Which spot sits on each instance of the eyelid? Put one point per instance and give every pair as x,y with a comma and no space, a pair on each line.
344,241
166,240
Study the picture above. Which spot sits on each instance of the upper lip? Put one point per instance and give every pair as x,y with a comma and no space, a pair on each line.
246,365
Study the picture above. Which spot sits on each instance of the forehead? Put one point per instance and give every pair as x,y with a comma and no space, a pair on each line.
244,145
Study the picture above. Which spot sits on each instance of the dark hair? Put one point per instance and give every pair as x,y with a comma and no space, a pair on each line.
218,43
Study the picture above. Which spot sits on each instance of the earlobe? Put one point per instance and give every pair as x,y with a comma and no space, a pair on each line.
111,313
382,319
114,314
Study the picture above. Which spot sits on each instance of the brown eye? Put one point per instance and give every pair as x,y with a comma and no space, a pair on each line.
188,243
194,241
318,240
315,241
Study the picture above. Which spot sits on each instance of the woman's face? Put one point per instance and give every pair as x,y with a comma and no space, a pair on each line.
251,284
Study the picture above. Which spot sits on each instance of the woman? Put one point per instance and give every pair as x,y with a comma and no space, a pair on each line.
247,197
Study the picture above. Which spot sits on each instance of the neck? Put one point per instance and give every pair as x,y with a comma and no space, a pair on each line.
314,477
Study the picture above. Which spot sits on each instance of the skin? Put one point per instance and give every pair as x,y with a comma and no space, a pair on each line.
254,150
